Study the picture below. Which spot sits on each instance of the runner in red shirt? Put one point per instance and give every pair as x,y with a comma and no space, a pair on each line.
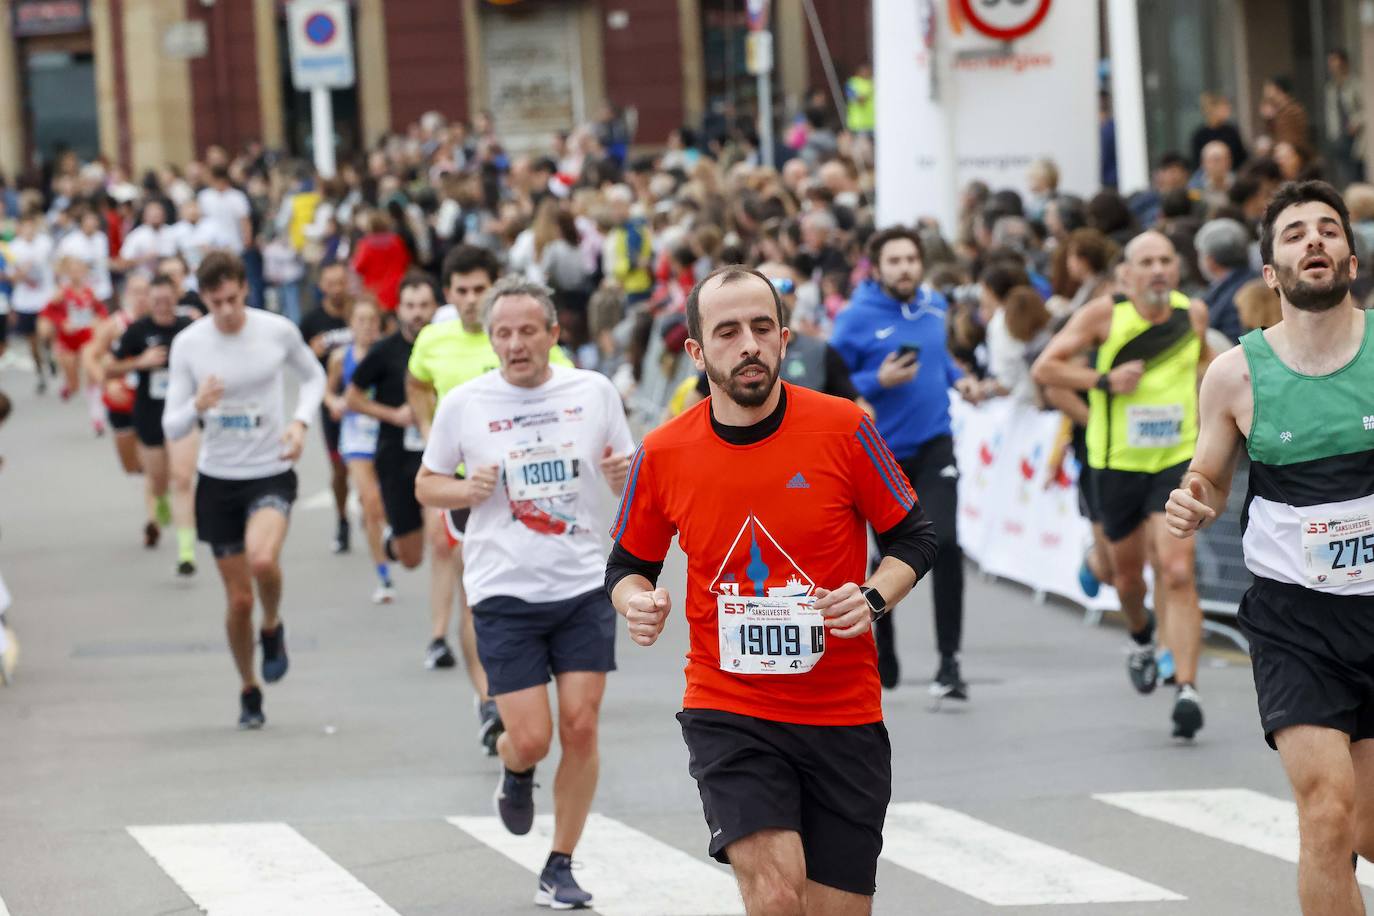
769,488
69,321
381,260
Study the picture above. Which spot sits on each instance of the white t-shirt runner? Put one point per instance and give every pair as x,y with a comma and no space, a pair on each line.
242,434
538,536
30,261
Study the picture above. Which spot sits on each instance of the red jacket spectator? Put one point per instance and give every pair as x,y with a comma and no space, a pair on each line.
381,260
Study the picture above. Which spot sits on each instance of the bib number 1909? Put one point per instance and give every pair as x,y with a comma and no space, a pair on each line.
774,639
770,635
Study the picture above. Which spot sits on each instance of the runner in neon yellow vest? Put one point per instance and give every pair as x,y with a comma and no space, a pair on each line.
1151,351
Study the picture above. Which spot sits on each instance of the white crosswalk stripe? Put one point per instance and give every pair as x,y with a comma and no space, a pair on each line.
1242,817
999,867
629,873
256,870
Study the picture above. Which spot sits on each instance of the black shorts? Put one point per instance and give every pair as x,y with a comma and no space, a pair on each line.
25,324
1125,499
522,644
331,428
224,506
1313,658
119,422
148,422
829,783
396,470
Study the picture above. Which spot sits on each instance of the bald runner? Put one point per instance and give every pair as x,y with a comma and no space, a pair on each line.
1150,351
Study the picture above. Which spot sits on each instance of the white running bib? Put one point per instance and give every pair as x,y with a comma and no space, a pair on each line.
79,319
157,384
358,435
769,635
1338,549
541,471
238,421
1154,426
412,441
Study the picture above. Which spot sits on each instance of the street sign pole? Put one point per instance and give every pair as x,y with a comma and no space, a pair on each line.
322,125
760,63
766,119
321,61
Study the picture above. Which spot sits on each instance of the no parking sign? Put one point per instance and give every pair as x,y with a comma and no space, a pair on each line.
321,44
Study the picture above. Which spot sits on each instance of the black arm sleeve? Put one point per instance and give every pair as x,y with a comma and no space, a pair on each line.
837,381
912,540
622,563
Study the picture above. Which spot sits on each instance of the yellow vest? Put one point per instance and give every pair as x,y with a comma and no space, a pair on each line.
1155,426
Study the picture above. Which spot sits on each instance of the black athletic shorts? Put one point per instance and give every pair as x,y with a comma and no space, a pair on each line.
25,324
1125,499
396,470
1313,658
224,506
119,422
829,783
331,428
148,422
523,644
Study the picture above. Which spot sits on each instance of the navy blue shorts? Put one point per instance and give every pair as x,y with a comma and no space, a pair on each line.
523,644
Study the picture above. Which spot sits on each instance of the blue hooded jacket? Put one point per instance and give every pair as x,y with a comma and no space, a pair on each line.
874,325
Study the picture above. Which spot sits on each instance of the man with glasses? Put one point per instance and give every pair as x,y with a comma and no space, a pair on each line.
810,362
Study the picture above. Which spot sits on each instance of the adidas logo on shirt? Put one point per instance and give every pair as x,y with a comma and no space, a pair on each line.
798,482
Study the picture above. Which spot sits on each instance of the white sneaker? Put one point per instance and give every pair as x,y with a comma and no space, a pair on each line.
385,594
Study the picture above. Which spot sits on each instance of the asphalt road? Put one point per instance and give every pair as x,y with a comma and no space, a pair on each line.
127,789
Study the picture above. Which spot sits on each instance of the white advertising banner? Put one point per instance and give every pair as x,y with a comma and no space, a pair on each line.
1018,516
980,89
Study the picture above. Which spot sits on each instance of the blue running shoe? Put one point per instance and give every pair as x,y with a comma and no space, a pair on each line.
514,801
1164,661
557,887
274,660
1087,581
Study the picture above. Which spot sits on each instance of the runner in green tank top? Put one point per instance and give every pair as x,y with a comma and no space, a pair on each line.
1300,398
1142,393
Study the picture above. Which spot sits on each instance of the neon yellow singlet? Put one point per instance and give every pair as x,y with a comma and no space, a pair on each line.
1155,426
445,356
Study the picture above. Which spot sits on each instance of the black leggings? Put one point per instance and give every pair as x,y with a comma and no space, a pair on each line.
935,477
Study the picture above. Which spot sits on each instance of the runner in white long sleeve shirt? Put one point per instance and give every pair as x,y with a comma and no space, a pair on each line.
227,372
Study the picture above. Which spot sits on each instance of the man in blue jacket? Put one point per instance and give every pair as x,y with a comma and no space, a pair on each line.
892,335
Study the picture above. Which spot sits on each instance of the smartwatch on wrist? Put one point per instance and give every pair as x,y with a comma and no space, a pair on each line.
877,604
1104,383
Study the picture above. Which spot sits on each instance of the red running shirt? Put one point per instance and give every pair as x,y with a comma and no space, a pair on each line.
74,314
787,513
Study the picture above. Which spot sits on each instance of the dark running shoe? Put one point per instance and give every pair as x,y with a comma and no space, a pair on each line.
557,887
439,655
1143,668
186,568
151,535
1187,712
514,801
341,537
948,684
274,660
491,727
250,709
